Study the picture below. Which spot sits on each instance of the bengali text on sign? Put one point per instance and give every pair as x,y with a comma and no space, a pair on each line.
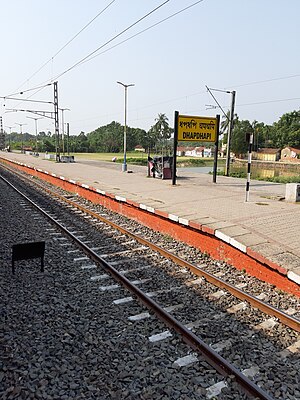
202,129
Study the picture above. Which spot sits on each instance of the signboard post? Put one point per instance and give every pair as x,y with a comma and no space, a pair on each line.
216,151
175,146
198,129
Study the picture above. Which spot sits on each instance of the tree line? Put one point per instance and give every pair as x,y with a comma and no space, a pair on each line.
284,132
105,139
109,138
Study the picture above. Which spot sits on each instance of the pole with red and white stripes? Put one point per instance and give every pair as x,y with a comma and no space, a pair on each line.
249,166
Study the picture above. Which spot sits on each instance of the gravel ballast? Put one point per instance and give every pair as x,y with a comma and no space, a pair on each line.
64,338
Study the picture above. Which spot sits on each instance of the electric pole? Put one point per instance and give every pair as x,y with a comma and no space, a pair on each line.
68,137
57,144
230,128
2,135
63,127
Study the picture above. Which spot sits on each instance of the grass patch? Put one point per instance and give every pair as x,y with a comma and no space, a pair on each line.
274,179
191,162
282,179
133,161
136,158
168,238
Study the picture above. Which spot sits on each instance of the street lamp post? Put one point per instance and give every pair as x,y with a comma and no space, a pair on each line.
124,165
21,131
36,133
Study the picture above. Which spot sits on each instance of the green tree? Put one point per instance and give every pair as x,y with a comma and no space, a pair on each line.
259,139
48,145
108,138
162,127
160,133
225,122
286,132
225,125
137,136
265,136
82,144
239,144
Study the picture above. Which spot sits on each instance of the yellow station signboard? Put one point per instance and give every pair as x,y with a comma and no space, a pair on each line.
200,129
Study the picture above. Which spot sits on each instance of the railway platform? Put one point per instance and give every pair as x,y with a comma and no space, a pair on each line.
264,230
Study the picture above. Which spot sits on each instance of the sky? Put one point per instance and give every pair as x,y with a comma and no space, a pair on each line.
249,46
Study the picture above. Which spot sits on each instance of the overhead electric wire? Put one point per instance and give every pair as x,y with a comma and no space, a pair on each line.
227,87
71,40
79,62
266,80
89,58
190,111
110,40
143,118
92,55
142,31
32,101
59,51
268,101
28,90
254,103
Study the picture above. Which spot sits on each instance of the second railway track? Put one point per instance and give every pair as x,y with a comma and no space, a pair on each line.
206,317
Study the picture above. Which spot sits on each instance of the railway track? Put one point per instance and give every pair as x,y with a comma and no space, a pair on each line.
171,288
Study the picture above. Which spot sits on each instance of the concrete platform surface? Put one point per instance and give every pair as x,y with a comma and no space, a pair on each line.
266,224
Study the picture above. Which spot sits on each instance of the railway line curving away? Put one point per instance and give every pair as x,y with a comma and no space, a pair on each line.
75,332
259,237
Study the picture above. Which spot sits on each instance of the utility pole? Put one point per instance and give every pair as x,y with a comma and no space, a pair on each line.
63,128
2,135
36,133
21,131
57,144
230,128
230,122
68,136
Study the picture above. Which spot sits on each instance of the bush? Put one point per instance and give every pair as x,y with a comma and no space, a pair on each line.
191,162
135,161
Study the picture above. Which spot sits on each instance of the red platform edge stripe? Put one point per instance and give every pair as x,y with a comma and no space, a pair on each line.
266,270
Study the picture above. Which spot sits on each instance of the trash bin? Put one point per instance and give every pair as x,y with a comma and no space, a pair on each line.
161,167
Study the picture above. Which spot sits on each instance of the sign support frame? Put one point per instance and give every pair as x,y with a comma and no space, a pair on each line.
216,145
176,114
216,151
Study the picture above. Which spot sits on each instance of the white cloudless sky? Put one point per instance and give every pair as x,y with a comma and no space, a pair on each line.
250,46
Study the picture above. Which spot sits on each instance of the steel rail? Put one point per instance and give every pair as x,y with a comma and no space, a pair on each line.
213,358
266,308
